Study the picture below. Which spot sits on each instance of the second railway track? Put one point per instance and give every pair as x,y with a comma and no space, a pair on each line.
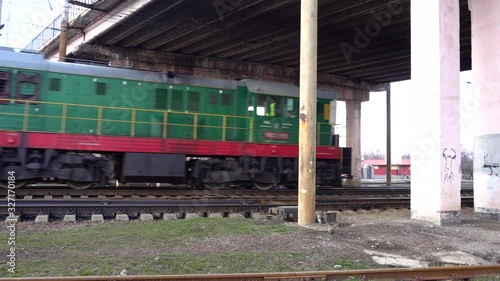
181,208
169,203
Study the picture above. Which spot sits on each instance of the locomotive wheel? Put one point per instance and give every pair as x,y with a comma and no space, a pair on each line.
19,184
215,186
263,186
80,185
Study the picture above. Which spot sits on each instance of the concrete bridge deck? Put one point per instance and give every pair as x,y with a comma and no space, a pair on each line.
361,43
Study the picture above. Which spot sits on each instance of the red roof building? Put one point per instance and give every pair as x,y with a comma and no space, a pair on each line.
372,169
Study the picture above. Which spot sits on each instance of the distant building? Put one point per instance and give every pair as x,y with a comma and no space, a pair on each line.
372,169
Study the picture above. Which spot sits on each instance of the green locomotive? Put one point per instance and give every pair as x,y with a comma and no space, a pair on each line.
97,103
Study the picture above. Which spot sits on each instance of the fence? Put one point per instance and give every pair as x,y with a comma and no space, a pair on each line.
54,28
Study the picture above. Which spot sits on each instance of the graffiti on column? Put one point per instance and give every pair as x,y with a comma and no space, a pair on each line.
491,163
449,156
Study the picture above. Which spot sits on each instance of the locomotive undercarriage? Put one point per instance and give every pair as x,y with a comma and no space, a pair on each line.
81,171
78,170
261,172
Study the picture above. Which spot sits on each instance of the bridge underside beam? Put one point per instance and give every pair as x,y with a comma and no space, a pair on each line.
218,68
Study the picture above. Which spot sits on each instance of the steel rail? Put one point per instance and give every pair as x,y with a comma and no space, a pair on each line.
21,193
36,207
427,273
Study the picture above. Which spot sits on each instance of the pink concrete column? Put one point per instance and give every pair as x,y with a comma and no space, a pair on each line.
435,106
485,16
353,139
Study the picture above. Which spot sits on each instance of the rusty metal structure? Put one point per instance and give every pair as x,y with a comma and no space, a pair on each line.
430,273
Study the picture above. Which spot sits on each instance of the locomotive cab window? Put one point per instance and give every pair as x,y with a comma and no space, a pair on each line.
269,106
291,107
323,111
261,105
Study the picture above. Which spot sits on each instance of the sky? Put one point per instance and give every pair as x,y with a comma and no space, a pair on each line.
24,19
373,119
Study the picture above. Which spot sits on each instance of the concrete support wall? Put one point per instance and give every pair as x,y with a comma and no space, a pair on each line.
487,176
486,81
210,67
435,106
353,140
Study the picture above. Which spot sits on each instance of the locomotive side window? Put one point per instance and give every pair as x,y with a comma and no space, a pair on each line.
161,98
291,105
319,108
55,84
193,101
261,105
4,86
251,107
100,88
269,106
275,106
321,111
177,100
28,86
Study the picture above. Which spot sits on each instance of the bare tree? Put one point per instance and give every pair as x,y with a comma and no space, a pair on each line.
373,155
406,156
467,164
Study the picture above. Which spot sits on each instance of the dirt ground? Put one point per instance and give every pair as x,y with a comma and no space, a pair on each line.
392,234
358,240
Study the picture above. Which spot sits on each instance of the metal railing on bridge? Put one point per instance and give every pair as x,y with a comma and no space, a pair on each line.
54,28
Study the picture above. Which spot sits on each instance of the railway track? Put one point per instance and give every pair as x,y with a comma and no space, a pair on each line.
134,193
428,273
165,203
178,208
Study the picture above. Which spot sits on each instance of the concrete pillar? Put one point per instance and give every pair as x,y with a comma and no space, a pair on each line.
435,106
353,138
486,77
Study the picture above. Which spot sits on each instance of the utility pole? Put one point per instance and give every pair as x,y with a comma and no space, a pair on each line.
307,126
63,38
388,172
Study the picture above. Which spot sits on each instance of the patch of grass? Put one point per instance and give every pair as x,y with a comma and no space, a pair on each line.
175,265
91,238
143,249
